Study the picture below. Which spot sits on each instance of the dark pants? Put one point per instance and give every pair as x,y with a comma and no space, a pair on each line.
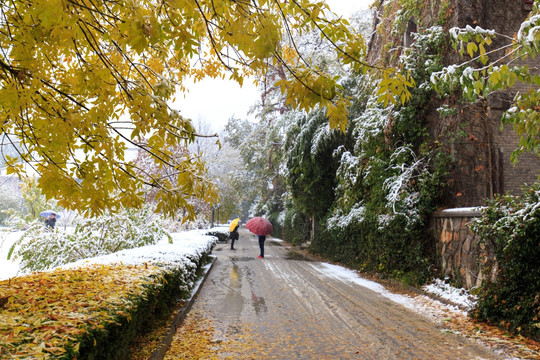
234,236
261,244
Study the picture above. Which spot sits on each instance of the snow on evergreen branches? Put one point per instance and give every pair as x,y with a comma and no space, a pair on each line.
400,197
341,221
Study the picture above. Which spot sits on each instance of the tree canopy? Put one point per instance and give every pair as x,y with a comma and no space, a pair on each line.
83,80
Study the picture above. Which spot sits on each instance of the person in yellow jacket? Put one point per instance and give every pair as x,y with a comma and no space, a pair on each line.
233,231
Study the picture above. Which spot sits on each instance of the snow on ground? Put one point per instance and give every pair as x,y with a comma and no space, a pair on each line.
446,291
463,209
184,244
8,268
421,304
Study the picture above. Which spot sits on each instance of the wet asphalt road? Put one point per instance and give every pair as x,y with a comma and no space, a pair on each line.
282,307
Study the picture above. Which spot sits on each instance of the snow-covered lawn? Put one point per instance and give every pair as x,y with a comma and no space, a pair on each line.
184,244
8,268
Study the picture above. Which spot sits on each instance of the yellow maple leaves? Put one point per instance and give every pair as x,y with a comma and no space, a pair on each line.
394,87
45,314
196,338
81,80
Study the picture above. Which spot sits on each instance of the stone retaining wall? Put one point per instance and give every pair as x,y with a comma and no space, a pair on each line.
461,255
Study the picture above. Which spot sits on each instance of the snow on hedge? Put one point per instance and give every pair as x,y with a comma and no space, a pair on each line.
185,247
341,221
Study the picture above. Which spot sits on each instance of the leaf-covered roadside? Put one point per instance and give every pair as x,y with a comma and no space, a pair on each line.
97,311
47,315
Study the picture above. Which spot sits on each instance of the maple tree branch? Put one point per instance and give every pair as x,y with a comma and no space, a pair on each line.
188,133
69,97
137,145
124,55
95,10
6,135
7,25
211,36
113,71
121,165
291,71
17,74
290,33
35,144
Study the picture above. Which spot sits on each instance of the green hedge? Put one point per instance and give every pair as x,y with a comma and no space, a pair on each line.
296,227
511,226
93,319
222,236
115,339
364,245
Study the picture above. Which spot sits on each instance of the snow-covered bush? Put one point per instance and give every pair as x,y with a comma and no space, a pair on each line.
342,220
40,248
401,196
31,203
511,227
388,182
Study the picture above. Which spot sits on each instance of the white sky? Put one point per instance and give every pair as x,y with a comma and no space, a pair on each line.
216,101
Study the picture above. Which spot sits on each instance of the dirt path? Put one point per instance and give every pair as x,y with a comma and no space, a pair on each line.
285,308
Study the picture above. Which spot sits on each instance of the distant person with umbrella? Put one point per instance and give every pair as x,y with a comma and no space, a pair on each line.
233,231
50,218
50,221
260,227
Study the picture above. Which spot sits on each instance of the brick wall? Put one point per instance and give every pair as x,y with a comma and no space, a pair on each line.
508,177
506,16
480,150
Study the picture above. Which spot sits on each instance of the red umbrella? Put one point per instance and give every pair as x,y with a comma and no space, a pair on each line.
259,226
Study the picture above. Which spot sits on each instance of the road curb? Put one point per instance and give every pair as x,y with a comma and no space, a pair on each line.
182,313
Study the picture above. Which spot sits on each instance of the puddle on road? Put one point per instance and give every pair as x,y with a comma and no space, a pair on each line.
234,302
242,289
294,255
235,259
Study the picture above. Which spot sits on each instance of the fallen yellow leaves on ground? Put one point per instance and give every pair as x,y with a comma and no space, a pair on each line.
197,339
45,315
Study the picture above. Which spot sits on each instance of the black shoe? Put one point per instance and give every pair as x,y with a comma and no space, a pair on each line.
233,249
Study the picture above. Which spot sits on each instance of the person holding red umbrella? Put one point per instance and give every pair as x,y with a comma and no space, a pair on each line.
262,239
260,227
